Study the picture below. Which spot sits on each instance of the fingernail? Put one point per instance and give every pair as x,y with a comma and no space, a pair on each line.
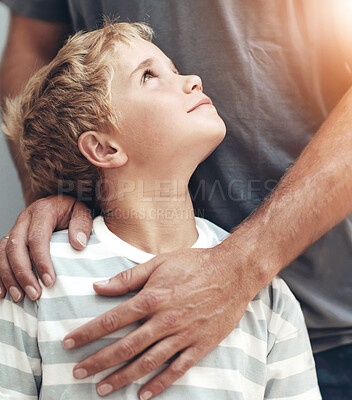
68,344
146,395
47,280
15,293
31,292
80,373
82,239
104,389
102,283
0,290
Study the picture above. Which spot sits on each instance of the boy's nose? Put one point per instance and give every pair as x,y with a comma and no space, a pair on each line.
192,82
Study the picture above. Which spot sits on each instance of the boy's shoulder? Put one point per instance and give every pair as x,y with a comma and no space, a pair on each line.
277,298
60,247
97,260
62,238
279,309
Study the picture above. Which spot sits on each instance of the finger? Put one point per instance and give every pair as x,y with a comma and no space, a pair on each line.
48,214
2,290
8,281
122,350
128,281
186,360
131,345
80,226
43,223
148,362
22,276
3,265
125,314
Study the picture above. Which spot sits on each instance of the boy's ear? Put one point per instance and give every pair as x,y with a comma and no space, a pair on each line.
101,150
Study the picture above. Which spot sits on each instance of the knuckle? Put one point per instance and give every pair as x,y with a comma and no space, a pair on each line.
21,275
40,266
6,278
82,219
78,205
110,322
96,366
118,381
127,350
170,319
81,214
149,363
42,206
151,301
185,336
22,216
86,337
181,367
126,276
160,384
187,364
35,236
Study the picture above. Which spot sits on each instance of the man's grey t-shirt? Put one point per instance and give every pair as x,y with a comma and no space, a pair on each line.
274,70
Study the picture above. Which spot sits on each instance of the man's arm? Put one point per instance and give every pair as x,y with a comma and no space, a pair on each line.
31,44
191,300
312,197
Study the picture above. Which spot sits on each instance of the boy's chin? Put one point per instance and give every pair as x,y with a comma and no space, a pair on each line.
217,133
218,138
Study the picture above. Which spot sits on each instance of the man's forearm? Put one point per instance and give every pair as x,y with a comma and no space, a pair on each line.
31,44
13,78
311,198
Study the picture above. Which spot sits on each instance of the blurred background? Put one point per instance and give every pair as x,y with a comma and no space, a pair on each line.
11,202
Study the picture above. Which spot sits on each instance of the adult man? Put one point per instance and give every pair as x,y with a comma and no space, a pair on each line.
275,70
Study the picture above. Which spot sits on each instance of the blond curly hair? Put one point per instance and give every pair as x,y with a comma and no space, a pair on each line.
65,98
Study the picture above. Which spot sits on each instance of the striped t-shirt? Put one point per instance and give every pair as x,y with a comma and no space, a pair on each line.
267,356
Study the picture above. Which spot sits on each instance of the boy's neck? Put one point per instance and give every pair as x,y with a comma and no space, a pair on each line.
155,216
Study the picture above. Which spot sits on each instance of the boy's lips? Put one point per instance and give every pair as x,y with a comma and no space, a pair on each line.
202,102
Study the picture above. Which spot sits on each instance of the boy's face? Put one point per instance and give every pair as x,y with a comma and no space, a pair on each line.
160,122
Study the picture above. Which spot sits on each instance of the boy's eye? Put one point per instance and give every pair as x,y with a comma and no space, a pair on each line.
147,75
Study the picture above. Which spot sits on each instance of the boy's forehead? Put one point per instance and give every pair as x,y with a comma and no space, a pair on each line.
129,56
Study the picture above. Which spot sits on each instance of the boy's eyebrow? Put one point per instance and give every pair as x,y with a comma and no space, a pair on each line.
144,64
147,63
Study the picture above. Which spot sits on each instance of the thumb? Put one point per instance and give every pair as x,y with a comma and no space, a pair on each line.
80,226
127,281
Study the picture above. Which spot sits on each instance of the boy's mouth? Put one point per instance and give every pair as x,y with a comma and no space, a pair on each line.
204,101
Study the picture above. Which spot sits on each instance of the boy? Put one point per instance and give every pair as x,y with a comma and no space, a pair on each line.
111,120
